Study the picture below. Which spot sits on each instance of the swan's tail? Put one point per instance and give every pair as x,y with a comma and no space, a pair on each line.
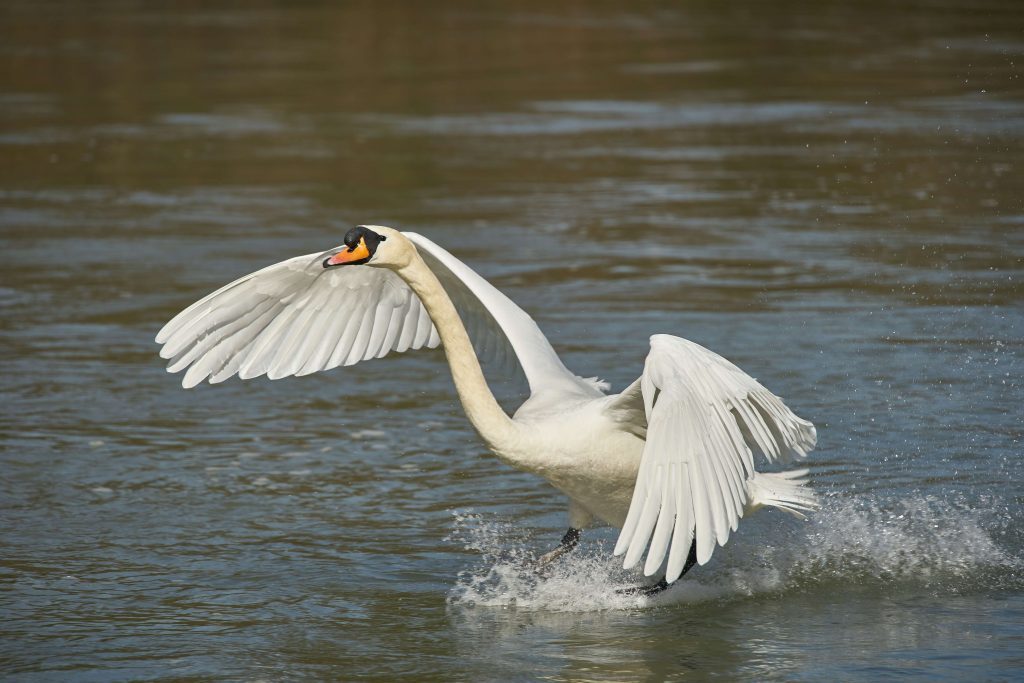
785,490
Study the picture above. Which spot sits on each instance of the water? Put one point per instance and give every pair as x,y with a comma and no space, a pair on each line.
828,196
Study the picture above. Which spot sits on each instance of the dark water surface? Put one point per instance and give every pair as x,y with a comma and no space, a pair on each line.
828,194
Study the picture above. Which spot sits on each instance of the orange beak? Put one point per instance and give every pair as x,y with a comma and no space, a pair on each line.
356,253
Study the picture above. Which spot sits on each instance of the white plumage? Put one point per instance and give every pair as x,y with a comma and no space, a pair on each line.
670,460
295,318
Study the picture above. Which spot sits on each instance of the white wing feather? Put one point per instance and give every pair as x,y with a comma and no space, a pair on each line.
294,318
704,417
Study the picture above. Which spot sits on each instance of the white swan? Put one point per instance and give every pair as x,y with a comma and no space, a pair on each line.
669,460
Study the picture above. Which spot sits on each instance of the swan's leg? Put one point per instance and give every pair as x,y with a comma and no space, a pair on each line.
568,542
579,519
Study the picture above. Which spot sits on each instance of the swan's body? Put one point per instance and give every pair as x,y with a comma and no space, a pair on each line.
669,460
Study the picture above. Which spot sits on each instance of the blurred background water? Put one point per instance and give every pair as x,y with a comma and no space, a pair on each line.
829,194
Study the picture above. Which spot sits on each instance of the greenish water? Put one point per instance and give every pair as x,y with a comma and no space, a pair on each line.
830,196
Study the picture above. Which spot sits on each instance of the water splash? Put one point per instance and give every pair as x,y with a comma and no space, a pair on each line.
588,579
922,543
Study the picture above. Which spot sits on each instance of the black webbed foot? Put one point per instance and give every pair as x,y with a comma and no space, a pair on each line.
647,591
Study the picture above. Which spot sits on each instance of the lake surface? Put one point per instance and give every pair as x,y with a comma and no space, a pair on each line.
829,195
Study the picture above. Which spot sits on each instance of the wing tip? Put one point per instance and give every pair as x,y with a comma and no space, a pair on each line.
165,332
704,553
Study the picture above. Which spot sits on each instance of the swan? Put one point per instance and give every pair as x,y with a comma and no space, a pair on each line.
669,460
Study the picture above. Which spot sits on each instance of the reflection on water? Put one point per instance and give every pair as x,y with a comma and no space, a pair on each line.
828,196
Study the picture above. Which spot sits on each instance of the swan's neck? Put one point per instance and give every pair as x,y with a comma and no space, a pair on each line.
482,409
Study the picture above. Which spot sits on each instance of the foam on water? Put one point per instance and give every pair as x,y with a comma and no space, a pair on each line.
922,543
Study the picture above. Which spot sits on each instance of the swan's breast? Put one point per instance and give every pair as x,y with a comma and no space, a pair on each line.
582,453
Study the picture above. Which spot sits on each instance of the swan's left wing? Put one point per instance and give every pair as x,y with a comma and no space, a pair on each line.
703,418
500,329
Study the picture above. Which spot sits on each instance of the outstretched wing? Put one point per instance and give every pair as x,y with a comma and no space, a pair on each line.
500,330
294,318
704,417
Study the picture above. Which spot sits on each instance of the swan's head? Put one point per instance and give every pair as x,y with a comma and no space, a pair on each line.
371,245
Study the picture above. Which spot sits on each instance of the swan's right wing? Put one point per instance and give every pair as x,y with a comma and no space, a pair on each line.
294,318
704,419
